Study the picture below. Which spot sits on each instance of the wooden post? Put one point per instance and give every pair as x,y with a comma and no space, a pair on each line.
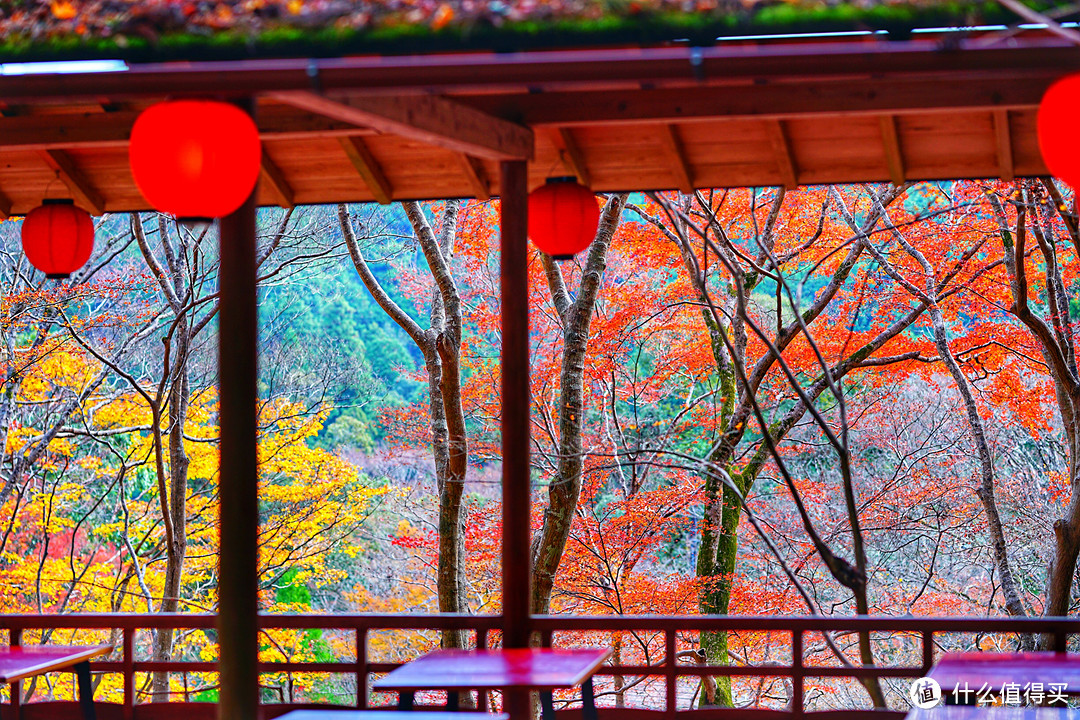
239,514
514,298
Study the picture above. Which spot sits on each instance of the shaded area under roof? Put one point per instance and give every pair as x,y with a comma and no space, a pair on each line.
385,129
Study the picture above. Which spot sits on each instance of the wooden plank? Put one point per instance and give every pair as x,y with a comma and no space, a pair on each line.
5,206
779,100
426,118
513,668
673,147
86,130
19,663
238,494
1003,141
781,147
894,157
476,175
514,422
276,182
85,193
368,167
336,714
963,144
570,154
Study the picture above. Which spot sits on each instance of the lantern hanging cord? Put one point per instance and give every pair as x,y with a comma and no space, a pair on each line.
45,192
555,163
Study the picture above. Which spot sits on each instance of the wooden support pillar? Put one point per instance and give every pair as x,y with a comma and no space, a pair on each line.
238,621
517,470
514,294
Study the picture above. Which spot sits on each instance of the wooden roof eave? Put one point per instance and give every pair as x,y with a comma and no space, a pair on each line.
436,126
476,72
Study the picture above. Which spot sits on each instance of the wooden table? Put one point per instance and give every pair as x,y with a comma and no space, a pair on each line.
386,715
995,671
542,669
970,712
19,663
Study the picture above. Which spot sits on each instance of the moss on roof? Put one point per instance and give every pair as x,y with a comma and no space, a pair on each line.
157,30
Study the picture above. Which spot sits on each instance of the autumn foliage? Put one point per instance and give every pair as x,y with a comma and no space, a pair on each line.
758,364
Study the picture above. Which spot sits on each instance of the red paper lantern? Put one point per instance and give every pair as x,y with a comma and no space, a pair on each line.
1058,119
57,238
195,159
563,216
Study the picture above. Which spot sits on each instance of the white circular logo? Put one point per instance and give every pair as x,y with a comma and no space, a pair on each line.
925,693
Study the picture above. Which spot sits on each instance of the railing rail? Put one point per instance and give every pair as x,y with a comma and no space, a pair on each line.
548,627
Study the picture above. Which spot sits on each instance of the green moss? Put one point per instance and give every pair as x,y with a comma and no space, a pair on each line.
392,36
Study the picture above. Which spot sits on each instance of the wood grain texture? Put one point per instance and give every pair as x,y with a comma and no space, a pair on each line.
274,181
680,166
427,118
573,159
785,159
86,195
476,174
894,156
368,167
1003,138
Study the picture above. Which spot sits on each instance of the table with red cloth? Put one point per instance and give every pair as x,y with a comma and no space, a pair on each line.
1054,673
508,669
19,663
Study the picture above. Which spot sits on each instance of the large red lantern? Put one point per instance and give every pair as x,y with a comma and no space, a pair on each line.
1058,120
563,216
57,238
195,159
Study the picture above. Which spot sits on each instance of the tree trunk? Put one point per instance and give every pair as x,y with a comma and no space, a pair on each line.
565,487
179,396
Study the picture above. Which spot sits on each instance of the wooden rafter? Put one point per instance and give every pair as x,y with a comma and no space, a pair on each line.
785,160
894,156
570,153
85,193
112,129
680,166
425,118
275,180
476,175
369,168
5,206
1003,144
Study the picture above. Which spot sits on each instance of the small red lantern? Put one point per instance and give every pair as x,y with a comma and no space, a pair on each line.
195,159
57,238
563,216
1059,113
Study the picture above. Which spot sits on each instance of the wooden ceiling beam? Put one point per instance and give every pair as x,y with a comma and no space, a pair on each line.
777,100
475,173
785,159
275,180
1003,144
77,130
5,206
369,169
673,148
573,159
85,194
894,155
428,119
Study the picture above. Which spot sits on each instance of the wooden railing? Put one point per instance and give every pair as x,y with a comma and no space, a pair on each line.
673,638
